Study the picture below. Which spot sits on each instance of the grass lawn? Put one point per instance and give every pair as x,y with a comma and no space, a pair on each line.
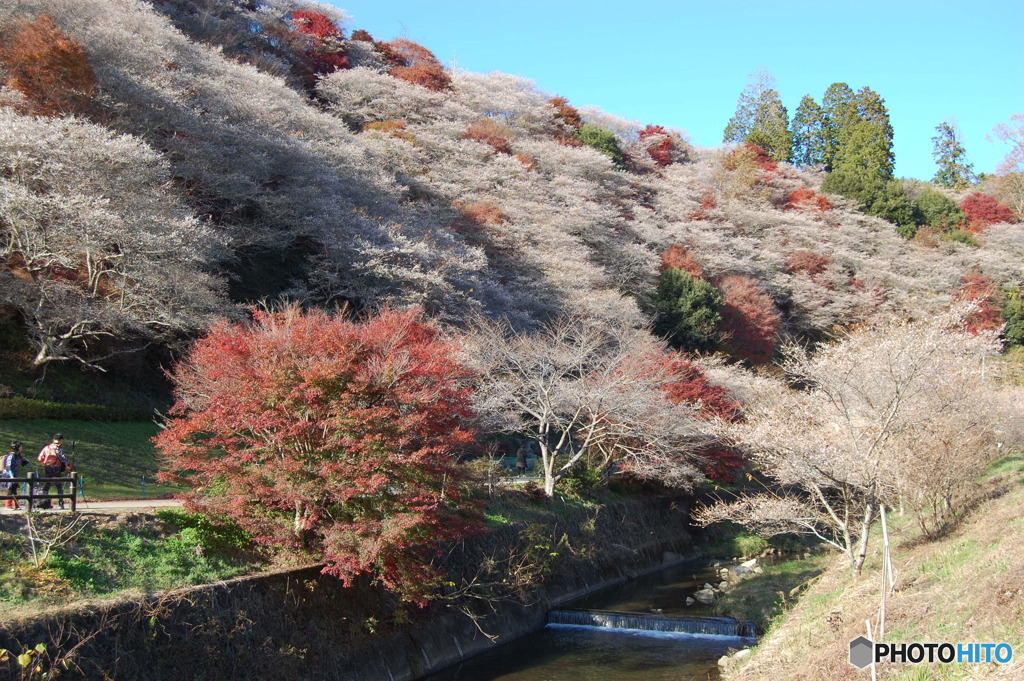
112,456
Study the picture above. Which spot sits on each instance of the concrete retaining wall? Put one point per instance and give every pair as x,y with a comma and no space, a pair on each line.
300,624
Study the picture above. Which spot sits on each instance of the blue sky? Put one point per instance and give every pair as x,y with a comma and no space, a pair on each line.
683,64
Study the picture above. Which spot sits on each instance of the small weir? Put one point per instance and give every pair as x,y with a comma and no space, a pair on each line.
641,630
715,626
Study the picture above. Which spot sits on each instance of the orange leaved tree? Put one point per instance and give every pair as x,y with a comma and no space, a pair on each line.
49,68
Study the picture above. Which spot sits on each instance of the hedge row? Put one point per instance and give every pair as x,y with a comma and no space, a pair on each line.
28,408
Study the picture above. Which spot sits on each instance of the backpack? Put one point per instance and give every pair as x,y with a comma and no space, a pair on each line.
50,457
8,464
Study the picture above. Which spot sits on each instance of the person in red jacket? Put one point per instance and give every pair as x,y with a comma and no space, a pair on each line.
54,465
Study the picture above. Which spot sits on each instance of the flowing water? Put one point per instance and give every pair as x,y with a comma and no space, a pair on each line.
640,630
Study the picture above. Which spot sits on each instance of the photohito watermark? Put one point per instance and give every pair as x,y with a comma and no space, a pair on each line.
864,651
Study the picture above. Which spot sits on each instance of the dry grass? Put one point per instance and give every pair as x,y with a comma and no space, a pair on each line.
965,587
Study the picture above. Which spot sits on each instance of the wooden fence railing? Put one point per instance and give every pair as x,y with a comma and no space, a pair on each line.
71,482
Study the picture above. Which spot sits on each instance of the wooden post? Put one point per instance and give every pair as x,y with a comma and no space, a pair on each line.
74,491
31,489
887,565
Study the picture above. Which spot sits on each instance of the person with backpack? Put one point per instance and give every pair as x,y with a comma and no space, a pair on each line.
13,462
54,465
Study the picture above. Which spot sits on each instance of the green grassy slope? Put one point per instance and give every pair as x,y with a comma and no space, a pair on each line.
112,457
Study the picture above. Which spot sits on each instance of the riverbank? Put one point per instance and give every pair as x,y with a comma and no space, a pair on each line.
967,586
303,625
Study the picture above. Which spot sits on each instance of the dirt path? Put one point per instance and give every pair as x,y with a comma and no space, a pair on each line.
111,507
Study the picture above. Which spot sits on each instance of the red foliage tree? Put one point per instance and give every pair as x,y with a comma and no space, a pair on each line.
984,293
750,323
49,68
339,437
486,131
682,382
482,212
983,210
316,25
679,257
761,157
691,385
660,145
415,64
707,202
566,113
807,261
529,162
806,198
325,52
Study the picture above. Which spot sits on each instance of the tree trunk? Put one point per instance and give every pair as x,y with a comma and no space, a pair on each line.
862,545
297,521
547,458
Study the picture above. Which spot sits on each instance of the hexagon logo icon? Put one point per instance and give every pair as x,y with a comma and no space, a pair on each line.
862,652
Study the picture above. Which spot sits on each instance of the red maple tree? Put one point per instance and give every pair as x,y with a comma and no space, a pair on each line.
750,323
49,68
335,436
486,131
680,257
683,382
983,210
806,198
721,463
415,64
566,112
983,292
659,144
811,262
482,212
325,52
690,384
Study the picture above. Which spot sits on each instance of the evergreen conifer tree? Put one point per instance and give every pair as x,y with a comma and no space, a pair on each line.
761,118
686,310
808,133
871,110
951,157
839,113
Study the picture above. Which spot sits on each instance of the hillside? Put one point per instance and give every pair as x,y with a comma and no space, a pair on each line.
207,167
965,587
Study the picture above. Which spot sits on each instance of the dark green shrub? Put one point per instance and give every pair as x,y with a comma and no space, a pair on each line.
960,236
686,310
907,231
28,408
1013,315
892,203
582,480
886,199
938,211
603,140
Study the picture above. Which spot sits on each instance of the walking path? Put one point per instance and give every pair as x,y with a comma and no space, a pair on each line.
110,506
114,507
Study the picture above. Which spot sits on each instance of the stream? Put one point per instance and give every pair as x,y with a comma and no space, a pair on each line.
642,629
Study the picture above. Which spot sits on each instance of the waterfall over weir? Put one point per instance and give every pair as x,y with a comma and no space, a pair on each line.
718,626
